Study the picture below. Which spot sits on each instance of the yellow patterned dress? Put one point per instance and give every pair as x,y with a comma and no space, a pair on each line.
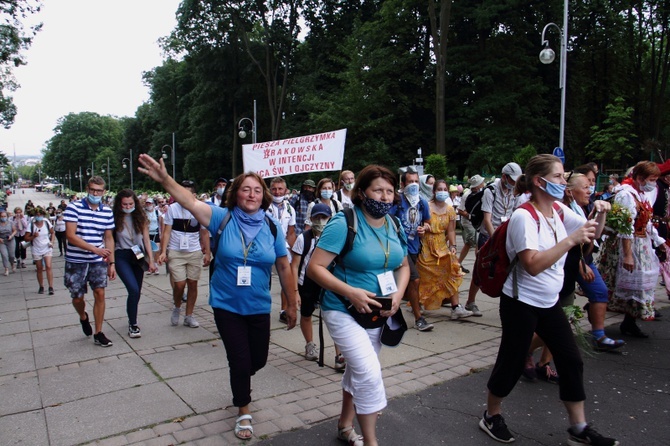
439,271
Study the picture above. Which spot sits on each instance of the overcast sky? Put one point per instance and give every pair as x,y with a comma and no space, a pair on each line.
89,56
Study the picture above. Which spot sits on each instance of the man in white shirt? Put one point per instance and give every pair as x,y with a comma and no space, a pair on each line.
219,198
283,212
186,241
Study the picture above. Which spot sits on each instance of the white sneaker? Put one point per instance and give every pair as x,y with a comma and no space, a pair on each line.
174,319
460,312
311,353
189,321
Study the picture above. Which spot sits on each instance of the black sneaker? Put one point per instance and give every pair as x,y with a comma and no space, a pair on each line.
282,317
134,331
86,326
496,428
589,436
41,290
101,340
51,291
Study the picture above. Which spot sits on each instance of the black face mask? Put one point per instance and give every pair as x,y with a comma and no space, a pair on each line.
308,195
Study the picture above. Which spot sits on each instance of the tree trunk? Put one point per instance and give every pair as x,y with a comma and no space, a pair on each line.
439,31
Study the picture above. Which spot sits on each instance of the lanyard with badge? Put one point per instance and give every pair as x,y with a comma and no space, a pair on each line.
244,271
386,279
183,240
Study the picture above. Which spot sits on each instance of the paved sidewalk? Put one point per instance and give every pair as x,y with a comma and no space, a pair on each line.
171,385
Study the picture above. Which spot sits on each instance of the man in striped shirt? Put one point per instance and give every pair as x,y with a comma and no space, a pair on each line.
89,259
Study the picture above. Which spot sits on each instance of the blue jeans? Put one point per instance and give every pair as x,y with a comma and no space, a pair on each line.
132,275
595,291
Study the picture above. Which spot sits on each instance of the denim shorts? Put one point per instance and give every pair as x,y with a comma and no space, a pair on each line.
78,275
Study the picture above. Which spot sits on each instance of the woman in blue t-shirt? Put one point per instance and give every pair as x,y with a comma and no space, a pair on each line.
377,261
240,285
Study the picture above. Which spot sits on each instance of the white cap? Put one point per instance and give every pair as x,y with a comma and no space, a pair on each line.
512,170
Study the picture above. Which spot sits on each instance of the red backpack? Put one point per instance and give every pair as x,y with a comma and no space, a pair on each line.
492,265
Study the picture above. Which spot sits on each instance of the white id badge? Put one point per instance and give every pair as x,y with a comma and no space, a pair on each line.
503,219
387,283
243,276
138,252
183,242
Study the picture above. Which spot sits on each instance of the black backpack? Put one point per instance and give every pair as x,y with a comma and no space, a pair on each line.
473,205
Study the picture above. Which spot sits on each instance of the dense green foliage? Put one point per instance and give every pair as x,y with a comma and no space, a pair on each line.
15,38
376,67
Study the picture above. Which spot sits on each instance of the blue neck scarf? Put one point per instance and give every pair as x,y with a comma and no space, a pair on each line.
250,224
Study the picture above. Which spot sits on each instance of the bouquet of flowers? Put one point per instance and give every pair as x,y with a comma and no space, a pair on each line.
619,220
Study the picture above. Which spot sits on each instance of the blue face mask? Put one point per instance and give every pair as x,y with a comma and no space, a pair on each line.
39,218
441,196
555,190
326,194
128,211
592,190
648,187
3,219
94,199
412,190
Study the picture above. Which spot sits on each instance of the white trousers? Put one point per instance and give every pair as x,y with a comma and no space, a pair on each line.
363,375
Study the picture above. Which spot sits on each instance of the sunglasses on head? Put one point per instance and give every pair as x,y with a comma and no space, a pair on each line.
187,183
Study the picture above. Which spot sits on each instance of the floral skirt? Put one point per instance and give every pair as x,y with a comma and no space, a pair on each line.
440,278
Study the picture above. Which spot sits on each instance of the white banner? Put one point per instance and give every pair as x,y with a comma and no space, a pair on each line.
311,153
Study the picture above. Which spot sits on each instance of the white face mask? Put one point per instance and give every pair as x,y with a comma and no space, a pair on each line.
648,186
349,186
220,191
411,190
277,200
318,225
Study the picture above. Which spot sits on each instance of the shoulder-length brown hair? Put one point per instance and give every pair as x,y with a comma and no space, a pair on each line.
139,216
367,176
231,194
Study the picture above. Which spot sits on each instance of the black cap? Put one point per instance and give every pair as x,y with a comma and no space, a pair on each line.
221,180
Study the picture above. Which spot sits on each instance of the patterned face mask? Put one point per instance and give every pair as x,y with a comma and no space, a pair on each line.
376,209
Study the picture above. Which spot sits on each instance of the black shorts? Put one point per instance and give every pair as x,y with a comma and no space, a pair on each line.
413,272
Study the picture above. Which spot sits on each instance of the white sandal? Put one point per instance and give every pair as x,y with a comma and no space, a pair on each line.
239,428
349,435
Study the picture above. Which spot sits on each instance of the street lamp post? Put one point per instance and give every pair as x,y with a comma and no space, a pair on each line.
547,56
242,132
164,155
81,186
125,162
109,181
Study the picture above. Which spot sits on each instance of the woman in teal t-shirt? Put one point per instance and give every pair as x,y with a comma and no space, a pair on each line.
240,285
376,262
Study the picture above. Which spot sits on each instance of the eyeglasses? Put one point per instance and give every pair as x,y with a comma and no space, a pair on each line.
96,191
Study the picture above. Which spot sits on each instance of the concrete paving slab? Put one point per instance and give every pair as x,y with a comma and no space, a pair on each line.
157,331
14,316
8,328
60,335
98,417
63,307
58,320
19,395
196,358
16,342
211,390
28,428
12,363
83,349
94,379
448,336
9,305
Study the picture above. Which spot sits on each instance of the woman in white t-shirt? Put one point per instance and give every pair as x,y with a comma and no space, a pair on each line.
41,234
541,244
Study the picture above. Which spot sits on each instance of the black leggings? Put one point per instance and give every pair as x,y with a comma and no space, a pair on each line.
62,242
247,342
519,322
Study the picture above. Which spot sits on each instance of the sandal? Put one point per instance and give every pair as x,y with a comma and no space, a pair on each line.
239,427
605,343
349,435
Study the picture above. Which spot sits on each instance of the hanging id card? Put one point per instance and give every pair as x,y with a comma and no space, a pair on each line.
183,242
243,276
387,283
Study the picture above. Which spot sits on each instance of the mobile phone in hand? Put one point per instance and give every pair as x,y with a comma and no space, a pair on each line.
386,302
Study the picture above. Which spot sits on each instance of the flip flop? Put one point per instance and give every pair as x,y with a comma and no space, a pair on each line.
239,428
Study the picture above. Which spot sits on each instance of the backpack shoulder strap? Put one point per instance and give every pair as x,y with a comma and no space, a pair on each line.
217,235
352,227
307,237
273,227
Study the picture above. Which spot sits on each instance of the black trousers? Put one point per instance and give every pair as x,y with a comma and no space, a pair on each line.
519,322
247,342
